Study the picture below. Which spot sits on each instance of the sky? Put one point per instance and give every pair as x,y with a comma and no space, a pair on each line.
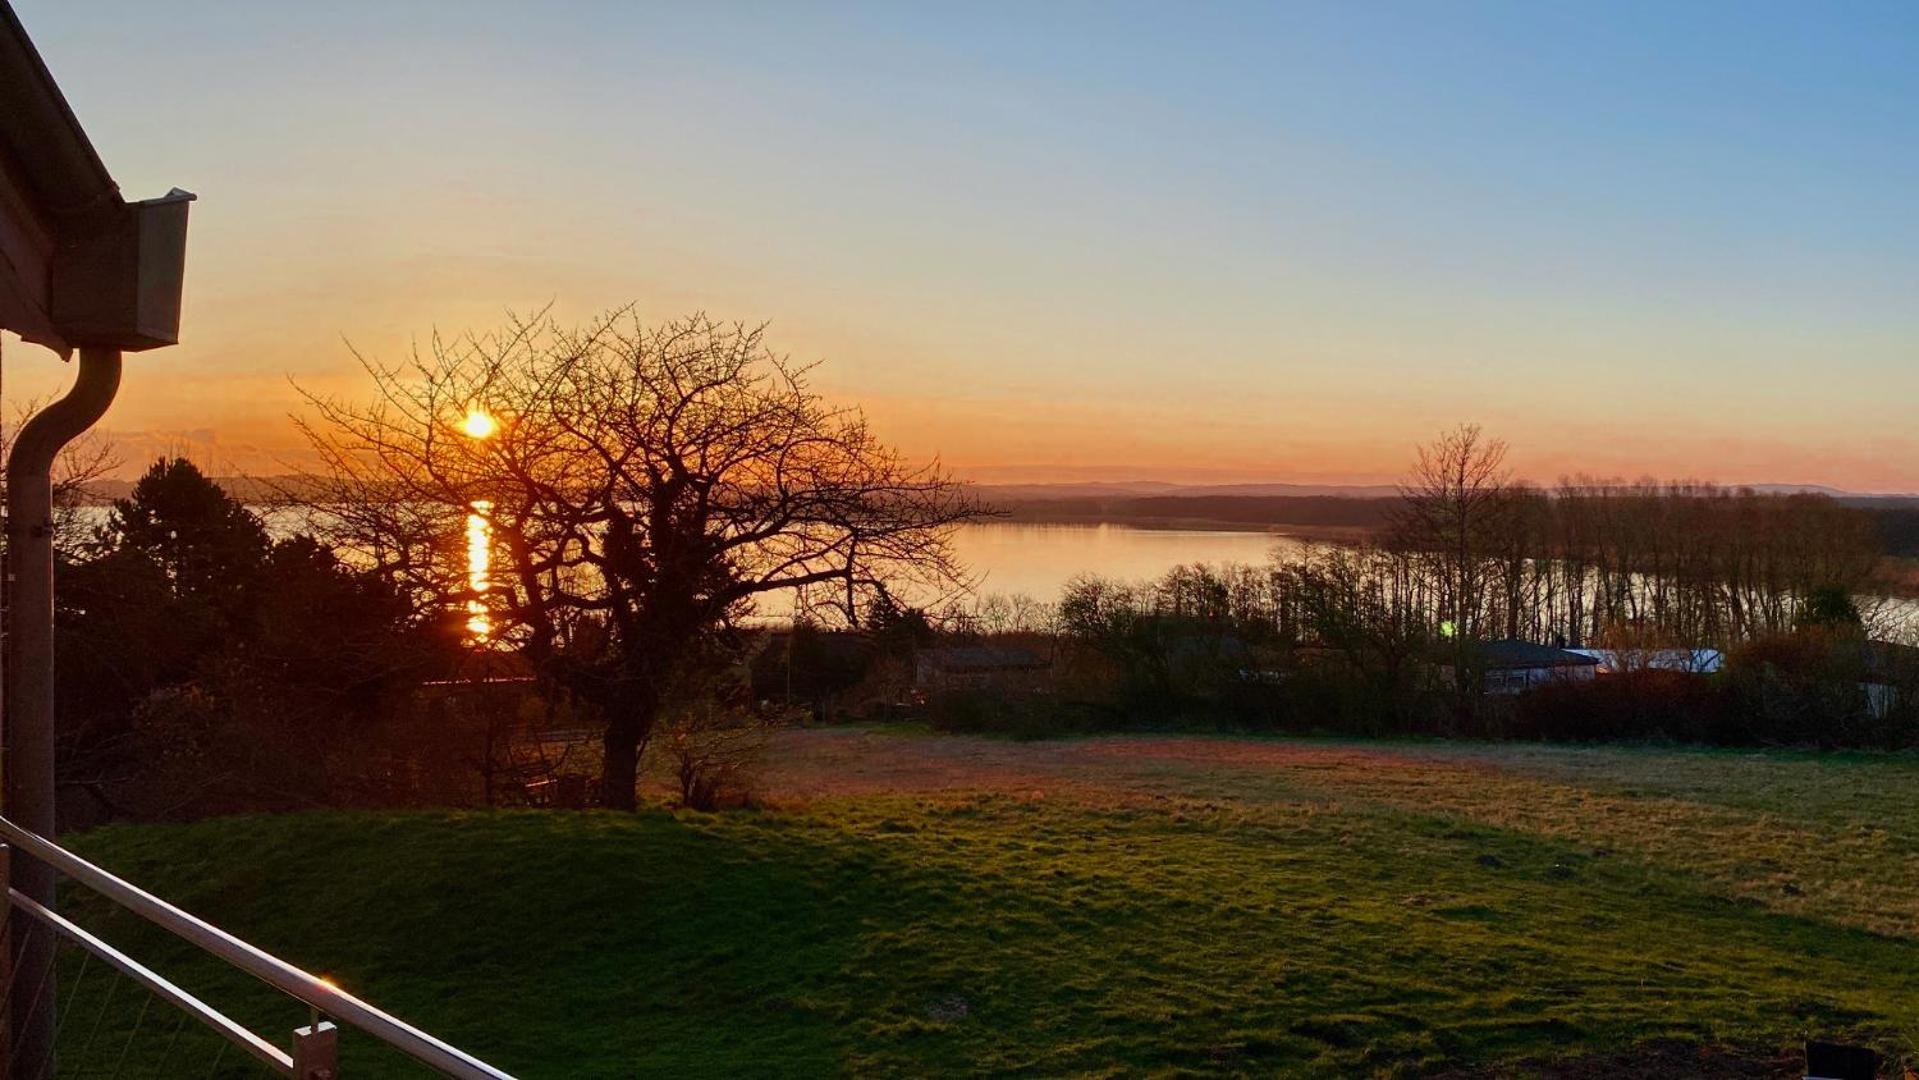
1060,241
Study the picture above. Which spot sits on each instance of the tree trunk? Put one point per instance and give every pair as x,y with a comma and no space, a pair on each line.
619,779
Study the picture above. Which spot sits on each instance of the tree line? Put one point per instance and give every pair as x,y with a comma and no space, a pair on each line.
637,488
641,488
204,664
1387,634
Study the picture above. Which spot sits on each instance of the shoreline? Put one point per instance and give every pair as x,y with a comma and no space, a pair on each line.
1338,534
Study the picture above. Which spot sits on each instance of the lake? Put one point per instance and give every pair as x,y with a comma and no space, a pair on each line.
1036,560
1021,559
1015,559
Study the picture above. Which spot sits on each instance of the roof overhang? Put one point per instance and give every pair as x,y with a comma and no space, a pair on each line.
79,265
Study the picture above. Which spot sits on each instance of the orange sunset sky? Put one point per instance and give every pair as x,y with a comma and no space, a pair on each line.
1074,243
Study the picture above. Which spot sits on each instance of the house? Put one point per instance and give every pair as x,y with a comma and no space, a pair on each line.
976,666
1685,661
1510,666
1889,671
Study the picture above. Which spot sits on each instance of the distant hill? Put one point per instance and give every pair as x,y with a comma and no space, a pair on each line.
1332,515
1328,511
1334,511
246,489
1093,489
1114,489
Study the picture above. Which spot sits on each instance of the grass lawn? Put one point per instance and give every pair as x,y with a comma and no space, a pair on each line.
1121,906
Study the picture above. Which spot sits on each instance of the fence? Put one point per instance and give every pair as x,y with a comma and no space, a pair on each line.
90,1039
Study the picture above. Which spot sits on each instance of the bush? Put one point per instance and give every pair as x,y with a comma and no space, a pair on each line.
1801,689
1630,705
716,755
1335,698
1808,689
1012,714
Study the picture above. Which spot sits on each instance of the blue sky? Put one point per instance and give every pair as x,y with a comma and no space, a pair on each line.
1064,240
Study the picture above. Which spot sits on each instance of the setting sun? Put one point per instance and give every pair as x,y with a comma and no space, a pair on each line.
479,424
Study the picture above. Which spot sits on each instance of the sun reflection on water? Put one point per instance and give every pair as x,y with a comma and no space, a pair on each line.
479,563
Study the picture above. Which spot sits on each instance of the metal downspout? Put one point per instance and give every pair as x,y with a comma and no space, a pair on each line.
28,721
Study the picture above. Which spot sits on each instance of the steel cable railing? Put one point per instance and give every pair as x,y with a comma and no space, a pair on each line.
311,1056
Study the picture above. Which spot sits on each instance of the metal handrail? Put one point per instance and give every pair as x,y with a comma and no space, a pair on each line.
275,972
233,1032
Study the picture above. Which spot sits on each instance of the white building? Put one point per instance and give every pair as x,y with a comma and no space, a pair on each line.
1687,661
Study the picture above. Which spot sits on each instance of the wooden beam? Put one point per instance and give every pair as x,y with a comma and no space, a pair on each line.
26,261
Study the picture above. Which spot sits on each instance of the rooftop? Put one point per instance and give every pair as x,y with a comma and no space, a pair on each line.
1510,654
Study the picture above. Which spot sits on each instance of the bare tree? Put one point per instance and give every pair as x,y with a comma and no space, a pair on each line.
1363,604
643,485
1026,613
81,465
1454,508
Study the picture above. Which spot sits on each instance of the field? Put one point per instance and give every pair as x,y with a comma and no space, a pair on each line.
909,904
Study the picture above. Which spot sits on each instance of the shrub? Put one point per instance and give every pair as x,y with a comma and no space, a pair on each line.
1809,688
1013,714
1629,705
716,755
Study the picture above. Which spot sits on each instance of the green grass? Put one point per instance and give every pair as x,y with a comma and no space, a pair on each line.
1165,907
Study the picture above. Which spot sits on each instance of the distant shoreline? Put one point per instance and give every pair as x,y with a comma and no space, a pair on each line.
1336,518
1335,534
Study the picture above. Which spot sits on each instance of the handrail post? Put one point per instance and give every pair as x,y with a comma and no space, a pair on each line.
319,994
6,957
28,728
316,1051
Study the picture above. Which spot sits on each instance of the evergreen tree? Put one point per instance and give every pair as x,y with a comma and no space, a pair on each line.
207,546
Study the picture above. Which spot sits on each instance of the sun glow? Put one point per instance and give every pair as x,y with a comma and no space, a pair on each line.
479,424
479,564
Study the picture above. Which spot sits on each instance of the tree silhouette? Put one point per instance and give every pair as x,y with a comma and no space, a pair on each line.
1830,607
208,547
270,656
644,486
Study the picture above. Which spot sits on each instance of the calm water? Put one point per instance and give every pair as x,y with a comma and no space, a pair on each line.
1037,559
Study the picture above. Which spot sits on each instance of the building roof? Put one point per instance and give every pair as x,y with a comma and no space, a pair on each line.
56,195
39,134
1692,661
1511,655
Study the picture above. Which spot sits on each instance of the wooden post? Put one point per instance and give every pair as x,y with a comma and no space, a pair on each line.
316,1052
